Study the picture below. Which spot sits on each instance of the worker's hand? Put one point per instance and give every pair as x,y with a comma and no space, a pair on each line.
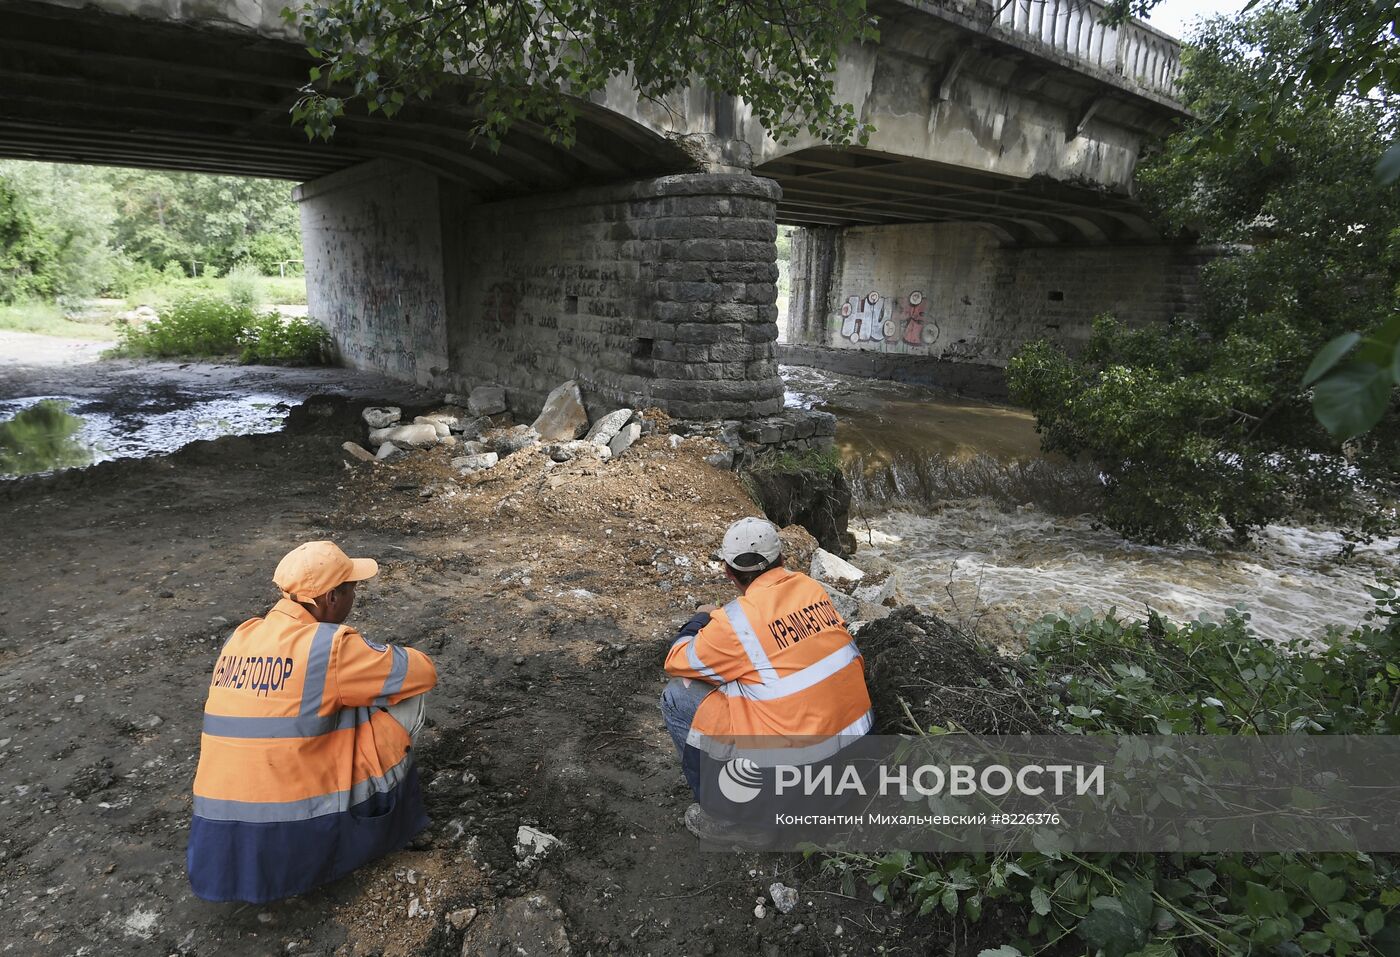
707,609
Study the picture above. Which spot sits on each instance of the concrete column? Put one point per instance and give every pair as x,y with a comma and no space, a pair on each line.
373,250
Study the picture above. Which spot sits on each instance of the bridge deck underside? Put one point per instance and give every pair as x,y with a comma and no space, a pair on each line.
853,187
80,86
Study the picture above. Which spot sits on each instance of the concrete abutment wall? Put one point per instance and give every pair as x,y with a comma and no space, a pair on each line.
656,292
949,304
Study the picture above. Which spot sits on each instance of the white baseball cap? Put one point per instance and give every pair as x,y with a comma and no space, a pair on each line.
751,536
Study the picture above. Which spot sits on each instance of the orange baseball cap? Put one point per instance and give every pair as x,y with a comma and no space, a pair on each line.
314,568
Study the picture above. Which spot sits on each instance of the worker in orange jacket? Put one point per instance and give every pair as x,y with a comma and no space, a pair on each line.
306,767
771,678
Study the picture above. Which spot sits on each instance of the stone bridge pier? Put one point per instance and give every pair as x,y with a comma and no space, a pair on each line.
658,292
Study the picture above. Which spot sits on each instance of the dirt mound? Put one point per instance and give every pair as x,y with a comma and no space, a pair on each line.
943,677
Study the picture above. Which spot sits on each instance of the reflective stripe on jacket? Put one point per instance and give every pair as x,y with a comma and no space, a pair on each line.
302,775
790,678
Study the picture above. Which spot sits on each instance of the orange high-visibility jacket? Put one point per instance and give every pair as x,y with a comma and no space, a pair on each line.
303,776
789,674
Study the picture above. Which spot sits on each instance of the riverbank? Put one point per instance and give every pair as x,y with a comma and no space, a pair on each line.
547,596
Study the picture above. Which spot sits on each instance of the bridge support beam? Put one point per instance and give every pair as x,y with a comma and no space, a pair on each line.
655,292
950,303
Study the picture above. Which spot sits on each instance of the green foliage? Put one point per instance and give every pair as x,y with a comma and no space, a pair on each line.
75,231
26,255
42,438
244,286
209,325
814,462
1204,425
519,62
269,338
1106,676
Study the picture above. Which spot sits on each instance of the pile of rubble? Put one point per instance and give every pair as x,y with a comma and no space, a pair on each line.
482,430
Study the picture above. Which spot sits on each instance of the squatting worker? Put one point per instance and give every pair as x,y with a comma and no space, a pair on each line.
776,665
305,767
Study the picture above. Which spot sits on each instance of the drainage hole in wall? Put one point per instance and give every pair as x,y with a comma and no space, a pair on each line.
1056,296
642,349
571,305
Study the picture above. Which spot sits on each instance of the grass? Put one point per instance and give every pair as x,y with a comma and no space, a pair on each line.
276,291
46,319
98,320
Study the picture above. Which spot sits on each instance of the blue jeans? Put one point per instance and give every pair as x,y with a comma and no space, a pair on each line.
678,707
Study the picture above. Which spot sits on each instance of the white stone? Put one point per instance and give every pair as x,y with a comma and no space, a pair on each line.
438,426
846,606
568,451
624,439
879,593
531,843
386,450
418,434
827,567
459,919
487,400
609,425
475,463
784,897
454,419
563,416
381,416
358,451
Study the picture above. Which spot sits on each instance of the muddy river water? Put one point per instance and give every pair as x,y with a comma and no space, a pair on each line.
988,531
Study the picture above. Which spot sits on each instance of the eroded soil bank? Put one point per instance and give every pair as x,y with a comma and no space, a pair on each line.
547,595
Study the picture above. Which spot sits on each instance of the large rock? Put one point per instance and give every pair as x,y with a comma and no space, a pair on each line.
623,440
475,463
358,451
563,416
454,418
419,434
827,567
512,440
437,425
487,400
609,425
381,416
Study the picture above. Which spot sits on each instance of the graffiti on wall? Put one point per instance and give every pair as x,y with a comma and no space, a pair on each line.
878,320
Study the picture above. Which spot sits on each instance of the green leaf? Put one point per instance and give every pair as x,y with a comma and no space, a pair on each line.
1261,901
950,899
1324,889
1315,942
1040,901
1329,355
1351,400
1201,877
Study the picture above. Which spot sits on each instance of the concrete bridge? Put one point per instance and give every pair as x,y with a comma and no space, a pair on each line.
641,259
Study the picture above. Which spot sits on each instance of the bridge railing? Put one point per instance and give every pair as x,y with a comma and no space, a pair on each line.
1132,50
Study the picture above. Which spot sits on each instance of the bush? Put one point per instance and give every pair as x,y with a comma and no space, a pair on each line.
1100,675
272,338
245,286
196,325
